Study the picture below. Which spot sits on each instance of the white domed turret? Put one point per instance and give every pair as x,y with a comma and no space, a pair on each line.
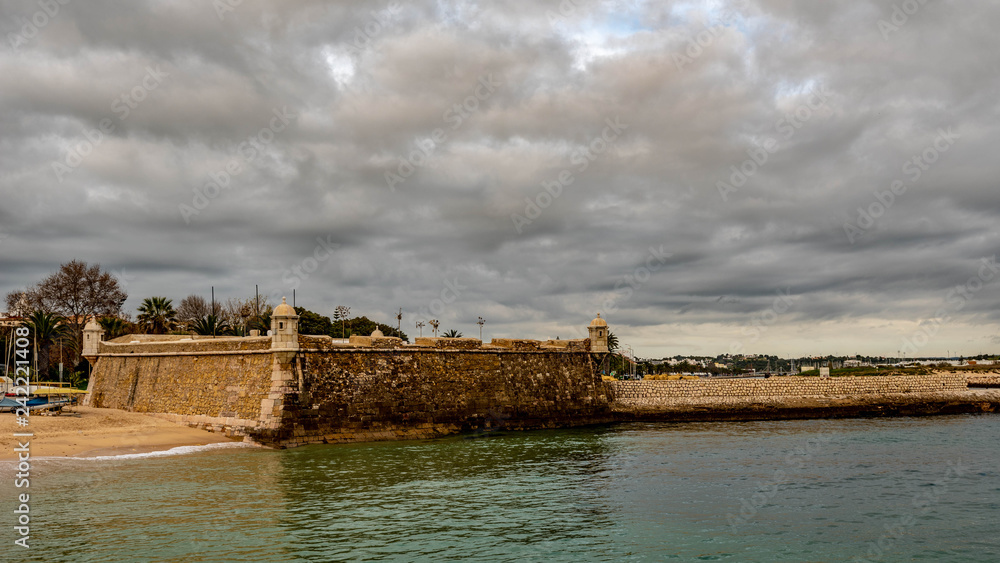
598,335
92,336
284,327
283,310
377,333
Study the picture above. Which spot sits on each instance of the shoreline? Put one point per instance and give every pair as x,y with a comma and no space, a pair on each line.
100,432
966,401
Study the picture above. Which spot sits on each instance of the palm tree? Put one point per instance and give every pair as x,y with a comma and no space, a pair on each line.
452,334
113,327
211,325
261,322
157,315
47,329
612,342
341,313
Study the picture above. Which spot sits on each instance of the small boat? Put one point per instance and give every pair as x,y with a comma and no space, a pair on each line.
8,403
42,398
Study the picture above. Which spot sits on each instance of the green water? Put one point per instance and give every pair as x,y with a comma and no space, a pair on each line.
907,489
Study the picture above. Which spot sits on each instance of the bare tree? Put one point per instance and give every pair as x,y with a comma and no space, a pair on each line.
192,308
18,304
238,312
76,292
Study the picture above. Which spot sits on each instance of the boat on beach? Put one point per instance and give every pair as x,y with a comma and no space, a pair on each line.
42,398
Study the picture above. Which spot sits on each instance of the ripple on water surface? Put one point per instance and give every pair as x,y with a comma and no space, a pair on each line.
752,491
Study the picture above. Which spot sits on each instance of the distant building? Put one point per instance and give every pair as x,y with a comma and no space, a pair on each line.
7,320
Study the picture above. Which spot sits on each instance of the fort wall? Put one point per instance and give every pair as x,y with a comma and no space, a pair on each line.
328,392
209,388
314,389
379,394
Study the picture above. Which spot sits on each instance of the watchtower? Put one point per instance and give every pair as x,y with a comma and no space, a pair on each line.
92,336
598,335
284,327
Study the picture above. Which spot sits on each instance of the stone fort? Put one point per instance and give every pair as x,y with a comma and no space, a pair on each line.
289,389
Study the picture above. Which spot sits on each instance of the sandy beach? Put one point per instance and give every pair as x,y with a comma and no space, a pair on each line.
99,432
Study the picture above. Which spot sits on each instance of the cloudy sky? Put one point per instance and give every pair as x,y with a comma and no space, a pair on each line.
747,176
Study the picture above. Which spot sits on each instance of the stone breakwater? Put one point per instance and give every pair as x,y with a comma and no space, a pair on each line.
799,397
787,386
984,380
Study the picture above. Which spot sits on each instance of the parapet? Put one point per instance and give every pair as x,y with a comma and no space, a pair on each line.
518,344
376,341
526,345
578,345
449,343
170,343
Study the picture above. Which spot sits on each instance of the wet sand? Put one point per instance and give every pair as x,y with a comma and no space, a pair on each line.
98,432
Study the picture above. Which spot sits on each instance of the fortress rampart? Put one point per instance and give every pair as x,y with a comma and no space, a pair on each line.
372,389
290,389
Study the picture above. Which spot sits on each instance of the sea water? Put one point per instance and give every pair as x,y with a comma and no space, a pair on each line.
891,489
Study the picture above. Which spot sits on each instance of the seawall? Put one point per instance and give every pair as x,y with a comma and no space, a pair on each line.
799,397
363,395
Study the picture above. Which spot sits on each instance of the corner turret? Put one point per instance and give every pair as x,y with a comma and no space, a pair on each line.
598,335
284,327
93,334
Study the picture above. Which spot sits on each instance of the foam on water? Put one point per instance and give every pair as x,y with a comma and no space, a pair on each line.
179,450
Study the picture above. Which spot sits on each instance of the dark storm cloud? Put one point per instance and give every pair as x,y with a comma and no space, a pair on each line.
515,96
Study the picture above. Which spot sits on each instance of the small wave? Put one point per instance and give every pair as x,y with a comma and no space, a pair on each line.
179,450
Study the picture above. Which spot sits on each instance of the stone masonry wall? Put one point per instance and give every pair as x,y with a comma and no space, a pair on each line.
786,386
388,394
222,391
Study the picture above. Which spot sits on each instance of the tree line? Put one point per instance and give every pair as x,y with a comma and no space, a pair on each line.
57,308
